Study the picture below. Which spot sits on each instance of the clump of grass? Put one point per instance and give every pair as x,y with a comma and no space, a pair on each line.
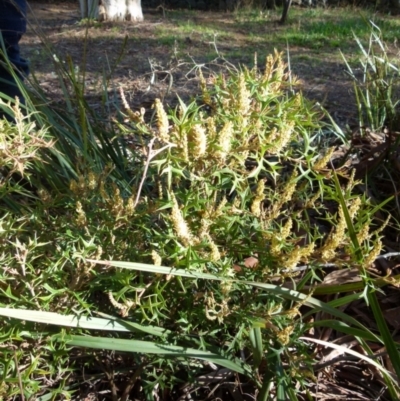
375,89
220,203
376,96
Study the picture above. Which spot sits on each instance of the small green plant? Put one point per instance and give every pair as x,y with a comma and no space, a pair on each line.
89,22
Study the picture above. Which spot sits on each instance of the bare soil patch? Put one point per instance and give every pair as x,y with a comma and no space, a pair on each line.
152,59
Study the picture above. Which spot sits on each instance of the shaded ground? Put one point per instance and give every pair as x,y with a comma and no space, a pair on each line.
160,55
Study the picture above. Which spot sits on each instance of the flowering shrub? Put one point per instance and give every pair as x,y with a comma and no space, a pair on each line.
234,186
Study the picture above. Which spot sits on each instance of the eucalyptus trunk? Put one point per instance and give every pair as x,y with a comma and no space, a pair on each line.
112,10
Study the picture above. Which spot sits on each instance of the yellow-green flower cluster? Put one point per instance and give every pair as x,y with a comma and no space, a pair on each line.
214,254
199,141
180,138
44,195
156,258
335,238
80,219
122,307
375,252
280,138
274,73
256,206
244,101
284,335
117,205
180,225
277,240
224,142
162,121
135,116
211,129
298,254
210,215
363,233
205,93
322,162
285,196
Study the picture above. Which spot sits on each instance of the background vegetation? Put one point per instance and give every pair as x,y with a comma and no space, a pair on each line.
230,5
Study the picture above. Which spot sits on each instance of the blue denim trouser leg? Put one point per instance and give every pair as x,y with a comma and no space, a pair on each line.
12,27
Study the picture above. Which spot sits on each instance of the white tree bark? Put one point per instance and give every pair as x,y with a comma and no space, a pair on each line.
112,10
134,10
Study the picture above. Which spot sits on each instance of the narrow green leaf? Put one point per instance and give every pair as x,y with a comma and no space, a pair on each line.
393,386
349,287
347,351
314,303
257,346
277,290
132,326
344,328
108,323
83,322
390,345
349,223
148,347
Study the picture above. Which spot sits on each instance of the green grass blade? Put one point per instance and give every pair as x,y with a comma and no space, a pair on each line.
83,322
256,345
347,351
371,294
144,267
387,338
132,326
281,385
274,289
314,303
148,347
349,223
109,323
263,394
323,289
392,386
344,328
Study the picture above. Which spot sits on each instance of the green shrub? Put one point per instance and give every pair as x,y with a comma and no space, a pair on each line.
234,191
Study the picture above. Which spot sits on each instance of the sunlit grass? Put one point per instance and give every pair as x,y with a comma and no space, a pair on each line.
317,28
332,30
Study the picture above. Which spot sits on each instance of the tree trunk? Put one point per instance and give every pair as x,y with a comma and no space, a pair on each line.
134,10
89,8
286,6
112,10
